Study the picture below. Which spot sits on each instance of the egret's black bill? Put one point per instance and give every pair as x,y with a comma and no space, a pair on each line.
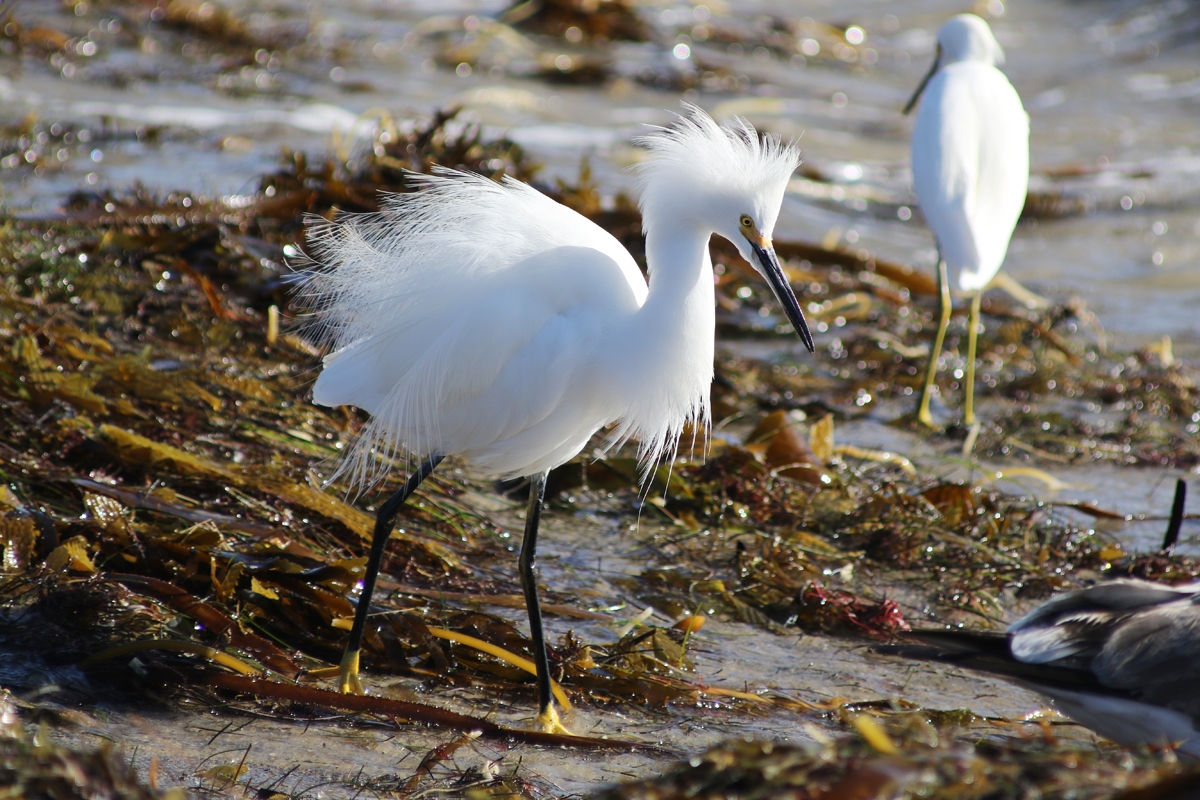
912,101
783,291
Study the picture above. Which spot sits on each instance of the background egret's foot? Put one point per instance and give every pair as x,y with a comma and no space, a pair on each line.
972,435
1007,283
932,413
548,722
924,417
349,683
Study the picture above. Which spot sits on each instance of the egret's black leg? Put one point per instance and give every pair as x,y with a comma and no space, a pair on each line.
547,716
384,521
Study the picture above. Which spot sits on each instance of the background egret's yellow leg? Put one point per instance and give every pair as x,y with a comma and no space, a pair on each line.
972,338
923,413
349,683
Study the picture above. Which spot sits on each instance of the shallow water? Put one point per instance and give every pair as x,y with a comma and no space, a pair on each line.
1145,495
1111,87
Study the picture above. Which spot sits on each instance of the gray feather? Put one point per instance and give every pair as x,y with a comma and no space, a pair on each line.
1121,657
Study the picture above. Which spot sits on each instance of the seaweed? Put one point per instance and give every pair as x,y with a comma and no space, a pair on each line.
904,757
579,20
160,497
30,766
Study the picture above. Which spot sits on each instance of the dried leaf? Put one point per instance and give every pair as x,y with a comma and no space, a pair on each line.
820,439
71,554
18,539
257,587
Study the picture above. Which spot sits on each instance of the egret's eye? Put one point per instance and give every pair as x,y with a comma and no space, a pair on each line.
747,222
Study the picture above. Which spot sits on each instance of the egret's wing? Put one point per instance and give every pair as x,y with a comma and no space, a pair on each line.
945,157
970,160
495,361
1003,171
428,251
453,349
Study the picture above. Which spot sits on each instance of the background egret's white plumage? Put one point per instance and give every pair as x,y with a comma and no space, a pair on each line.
970,162
1122,658
485,321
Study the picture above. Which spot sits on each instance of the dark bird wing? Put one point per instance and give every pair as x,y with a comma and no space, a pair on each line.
989,652
1155,656
1122,657
1073,628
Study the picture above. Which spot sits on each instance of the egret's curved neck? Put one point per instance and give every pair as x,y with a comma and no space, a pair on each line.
679,265
668,343
678,320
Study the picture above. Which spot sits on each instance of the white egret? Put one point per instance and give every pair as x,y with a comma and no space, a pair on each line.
485,321
970,162
1121,657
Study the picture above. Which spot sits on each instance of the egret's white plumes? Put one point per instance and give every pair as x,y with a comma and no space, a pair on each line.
701,173
427,305
484,320
970,153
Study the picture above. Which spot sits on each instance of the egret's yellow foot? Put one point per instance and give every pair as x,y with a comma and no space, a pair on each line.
349,683
923,415
548,722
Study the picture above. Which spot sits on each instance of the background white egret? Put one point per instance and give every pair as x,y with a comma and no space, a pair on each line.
970,162
485,321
